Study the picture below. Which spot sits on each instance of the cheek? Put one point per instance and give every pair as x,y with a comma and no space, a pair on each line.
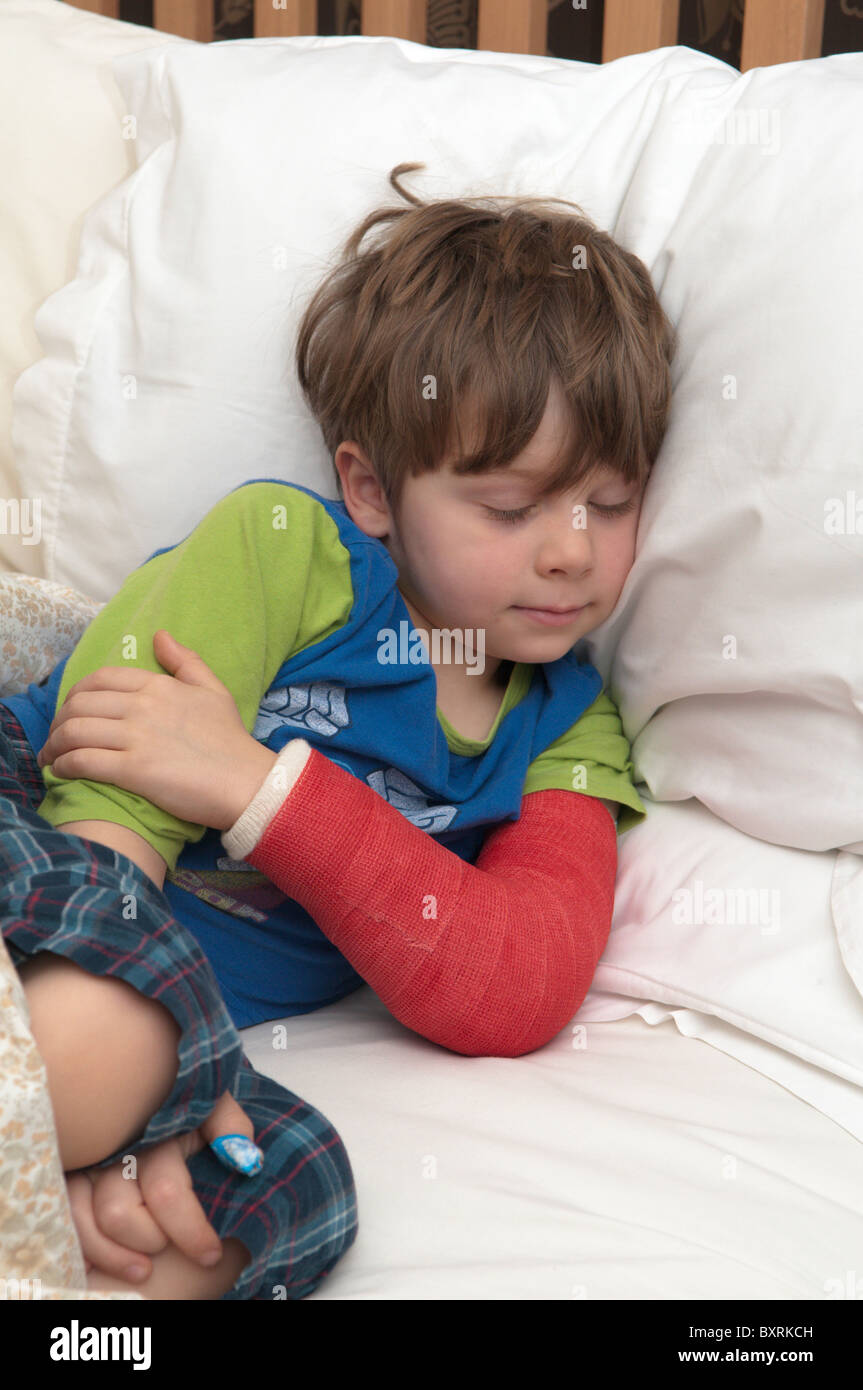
422,543
622,537
443,559
624,549
622,553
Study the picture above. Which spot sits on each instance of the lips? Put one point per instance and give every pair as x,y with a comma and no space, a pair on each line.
551,617
543,608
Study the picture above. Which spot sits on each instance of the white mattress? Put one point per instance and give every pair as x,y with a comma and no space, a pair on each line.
643,1165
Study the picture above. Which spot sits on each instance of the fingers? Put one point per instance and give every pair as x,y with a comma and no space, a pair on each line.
109,678
99,1250
120,1213
228,1117
166,1187
86,726
231,1135
98,764
160,1207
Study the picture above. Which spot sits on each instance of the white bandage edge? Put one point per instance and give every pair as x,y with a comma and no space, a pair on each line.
244,834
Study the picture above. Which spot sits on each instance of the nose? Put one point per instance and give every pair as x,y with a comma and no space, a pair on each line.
566,546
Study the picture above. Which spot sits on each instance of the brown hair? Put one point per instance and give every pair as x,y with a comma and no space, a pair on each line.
491,304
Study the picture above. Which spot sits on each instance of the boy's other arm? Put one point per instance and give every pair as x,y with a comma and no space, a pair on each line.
125,841
490,959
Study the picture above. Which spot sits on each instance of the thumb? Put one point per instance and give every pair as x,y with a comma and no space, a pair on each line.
228,1117
231,1135
183,662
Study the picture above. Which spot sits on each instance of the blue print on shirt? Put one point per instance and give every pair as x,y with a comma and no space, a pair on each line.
407,797
319,708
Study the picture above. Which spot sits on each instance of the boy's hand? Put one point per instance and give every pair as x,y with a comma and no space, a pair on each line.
176,739
121,1220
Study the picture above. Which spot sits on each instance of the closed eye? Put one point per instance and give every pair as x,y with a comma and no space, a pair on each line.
509,516
620,509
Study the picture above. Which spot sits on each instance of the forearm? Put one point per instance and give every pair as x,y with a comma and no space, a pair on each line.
485,959
110,1055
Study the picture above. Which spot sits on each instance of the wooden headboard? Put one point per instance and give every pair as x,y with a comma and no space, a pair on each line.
774,31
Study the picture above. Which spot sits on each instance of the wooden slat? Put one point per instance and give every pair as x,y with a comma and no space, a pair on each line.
513,26
634,26
780,31
297,17
190,19
402,19
774,31
109,8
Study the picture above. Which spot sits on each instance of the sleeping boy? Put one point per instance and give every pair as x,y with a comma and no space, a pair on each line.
303,800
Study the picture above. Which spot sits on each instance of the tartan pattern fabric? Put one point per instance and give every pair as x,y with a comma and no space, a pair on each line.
93,905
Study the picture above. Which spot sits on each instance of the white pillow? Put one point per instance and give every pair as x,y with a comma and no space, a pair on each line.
57,88
169,378
736,647
737,937
846,902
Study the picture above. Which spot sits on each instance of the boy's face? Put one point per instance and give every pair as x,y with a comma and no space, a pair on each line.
461,566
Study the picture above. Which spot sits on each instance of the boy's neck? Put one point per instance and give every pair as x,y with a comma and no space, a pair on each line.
477,675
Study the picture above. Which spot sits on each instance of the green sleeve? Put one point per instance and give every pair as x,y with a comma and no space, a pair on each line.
261,577
591,757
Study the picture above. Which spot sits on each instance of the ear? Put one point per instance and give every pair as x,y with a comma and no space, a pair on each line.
363,494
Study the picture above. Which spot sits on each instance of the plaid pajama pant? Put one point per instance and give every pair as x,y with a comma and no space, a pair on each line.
64,894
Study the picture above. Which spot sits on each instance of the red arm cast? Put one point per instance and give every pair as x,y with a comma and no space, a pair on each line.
490,959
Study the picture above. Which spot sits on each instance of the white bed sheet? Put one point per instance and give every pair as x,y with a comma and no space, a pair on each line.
641,1164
